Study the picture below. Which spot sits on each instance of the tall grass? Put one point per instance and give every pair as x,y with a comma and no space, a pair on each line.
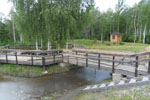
31,71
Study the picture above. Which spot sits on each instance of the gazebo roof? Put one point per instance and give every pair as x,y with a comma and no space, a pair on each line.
116,33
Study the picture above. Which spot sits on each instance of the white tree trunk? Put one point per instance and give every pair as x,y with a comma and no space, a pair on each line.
101,37
144,34
67,45
41,43
135,29
14,34
37,45
49,45
21,37
141,33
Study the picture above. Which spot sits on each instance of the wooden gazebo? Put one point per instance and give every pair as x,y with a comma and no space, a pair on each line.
116,37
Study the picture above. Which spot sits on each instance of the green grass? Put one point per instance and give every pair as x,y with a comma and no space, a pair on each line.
31,71
138,93
95,44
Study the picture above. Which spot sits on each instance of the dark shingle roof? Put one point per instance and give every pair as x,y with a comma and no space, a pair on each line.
116,33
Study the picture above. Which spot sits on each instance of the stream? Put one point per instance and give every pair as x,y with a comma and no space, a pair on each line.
17,88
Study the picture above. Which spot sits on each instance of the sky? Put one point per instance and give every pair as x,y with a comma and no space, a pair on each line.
103,5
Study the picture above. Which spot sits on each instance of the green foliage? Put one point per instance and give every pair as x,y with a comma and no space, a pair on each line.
5,37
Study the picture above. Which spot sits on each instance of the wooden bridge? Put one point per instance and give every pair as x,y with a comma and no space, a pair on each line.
130,65
30,57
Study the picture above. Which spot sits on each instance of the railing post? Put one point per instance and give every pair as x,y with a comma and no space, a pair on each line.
53,57
62,58
149,65
68,59
76,57
16,59
113,65
6,58
43,63
99,67
86,59
136,66
32,60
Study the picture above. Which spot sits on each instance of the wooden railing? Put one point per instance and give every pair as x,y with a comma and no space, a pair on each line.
88,57
30,57
22,47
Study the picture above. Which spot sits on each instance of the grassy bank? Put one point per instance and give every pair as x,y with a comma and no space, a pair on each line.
95,44
31,71
138,93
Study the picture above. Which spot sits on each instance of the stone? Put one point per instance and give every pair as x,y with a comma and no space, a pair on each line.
145,78
45,72
121,82
95,86
63,64
111,84
103,85
132,81
116,77
87,88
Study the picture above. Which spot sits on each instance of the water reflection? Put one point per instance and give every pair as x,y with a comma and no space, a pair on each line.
15,88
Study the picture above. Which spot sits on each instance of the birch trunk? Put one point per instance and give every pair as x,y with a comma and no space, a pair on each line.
14,34
41,43
21,37
49,45
37,45
135,29
144,34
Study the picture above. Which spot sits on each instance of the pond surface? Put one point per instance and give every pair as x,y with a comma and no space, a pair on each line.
16,88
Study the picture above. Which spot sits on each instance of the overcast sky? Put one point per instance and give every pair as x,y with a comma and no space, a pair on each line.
102,4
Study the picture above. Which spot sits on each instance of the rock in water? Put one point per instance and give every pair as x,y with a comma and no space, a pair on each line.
63,64
45,72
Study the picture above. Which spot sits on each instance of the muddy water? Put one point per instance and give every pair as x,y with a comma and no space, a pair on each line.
14,88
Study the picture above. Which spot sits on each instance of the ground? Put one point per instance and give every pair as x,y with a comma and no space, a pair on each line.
32,71
124,46
137,93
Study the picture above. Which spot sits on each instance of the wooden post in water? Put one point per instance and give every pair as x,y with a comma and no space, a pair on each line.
136,66
113,65
99,67
86,59
43,63
6,58
149,65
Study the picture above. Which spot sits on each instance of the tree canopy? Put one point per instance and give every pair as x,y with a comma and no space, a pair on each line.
58,21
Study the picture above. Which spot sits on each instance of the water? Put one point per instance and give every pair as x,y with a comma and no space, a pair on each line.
15,88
